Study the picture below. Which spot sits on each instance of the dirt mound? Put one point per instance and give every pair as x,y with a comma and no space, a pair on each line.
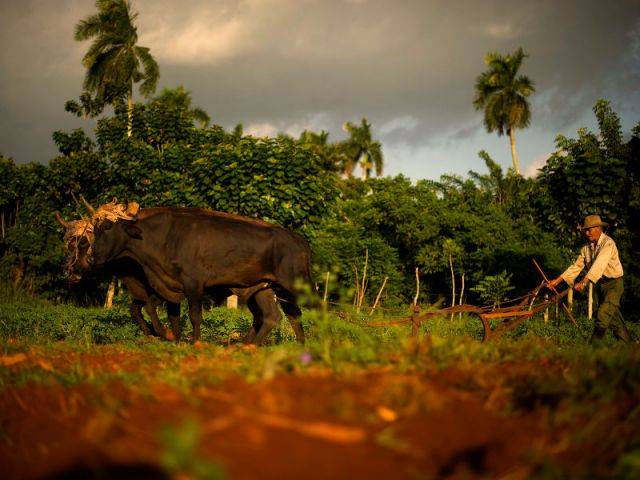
372,424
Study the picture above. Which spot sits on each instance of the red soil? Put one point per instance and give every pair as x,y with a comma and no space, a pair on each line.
377,424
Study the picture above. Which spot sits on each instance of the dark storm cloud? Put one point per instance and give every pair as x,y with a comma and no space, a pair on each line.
409,67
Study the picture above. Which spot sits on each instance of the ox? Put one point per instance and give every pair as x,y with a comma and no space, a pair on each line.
78,239
187,253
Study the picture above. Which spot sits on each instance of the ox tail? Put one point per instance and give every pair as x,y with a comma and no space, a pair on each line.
294,285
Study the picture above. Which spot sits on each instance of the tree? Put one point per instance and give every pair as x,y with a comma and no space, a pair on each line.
596,173
86,107
493,289
589,174
332,154
511,191
361,149
502,94
114,61
180,99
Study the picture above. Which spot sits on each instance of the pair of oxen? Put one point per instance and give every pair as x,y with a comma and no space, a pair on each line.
167,254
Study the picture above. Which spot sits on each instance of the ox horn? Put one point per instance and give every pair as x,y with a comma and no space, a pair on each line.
87,205
62,221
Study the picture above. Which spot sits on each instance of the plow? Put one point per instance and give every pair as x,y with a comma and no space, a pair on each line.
496,321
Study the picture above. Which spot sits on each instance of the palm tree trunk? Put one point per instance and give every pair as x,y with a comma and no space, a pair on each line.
364,164
514,152
129,114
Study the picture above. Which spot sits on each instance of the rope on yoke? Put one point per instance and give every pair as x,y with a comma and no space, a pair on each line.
84,228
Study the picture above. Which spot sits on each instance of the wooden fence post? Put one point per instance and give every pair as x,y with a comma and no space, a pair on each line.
326,288
375,304
461,294
232,301
111,291
453,285
546,310
590,300
415,323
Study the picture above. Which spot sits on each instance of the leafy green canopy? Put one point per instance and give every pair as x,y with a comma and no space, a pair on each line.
596,173
488,223
405,225
167,161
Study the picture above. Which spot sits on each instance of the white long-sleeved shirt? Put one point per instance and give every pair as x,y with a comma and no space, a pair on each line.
600,260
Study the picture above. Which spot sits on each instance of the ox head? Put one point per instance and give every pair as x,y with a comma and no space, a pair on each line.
111,239
78,238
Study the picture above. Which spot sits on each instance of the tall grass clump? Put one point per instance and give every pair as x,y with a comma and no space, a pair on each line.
30,319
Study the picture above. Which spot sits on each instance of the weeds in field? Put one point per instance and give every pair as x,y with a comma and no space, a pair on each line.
541,367
180,456
340,341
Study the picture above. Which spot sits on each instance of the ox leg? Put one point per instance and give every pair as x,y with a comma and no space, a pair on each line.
293,314
195,315
136,314
173,312
151,310
258,320
266,303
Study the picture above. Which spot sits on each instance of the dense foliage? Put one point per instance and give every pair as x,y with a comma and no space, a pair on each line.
481,229
167,161
596,173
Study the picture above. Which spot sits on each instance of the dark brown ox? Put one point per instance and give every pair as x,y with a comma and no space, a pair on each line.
79,238
187,253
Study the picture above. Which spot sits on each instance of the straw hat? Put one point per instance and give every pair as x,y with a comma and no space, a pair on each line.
591,221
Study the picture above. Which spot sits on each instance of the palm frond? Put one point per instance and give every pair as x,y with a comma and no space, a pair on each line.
88,28
151,70
199,115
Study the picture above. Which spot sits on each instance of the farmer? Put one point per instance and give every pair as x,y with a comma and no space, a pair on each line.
600,258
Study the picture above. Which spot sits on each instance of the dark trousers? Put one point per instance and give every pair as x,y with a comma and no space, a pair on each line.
608,294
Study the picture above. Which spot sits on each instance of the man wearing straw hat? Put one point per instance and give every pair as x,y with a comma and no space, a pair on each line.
600,258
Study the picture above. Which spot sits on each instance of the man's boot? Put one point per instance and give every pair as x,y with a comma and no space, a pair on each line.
621,333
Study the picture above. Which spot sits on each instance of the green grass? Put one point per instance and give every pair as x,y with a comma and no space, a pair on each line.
574,380
341,343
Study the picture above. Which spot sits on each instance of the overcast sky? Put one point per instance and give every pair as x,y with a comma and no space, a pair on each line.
286,65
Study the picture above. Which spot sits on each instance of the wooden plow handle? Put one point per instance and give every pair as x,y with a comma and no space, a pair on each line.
558,296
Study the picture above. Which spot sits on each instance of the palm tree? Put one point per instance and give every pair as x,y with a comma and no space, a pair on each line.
113,60
502,93
237,133
180,99
332,155
361,149
312,138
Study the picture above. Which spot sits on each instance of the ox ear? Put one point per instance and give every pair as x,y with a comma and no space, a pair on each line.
133,231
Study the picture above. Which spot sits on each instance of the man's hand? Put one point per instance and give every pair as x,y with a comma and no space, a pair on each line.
581,285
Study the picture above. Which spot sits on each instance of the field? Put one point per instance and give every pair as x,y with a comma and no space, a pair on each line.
84,395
